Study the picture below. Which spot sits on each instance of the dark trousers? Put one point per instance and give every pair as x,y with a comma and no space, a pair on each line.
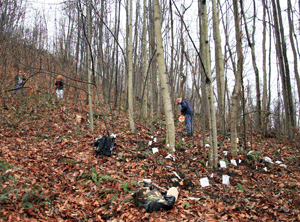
19,86
189,123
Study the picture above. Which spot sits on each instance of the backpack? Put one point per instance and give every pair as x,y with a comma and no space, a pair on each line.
104,146
153,200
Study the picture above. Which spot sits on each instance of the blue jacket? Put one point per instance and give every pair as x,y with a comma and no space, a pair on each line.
186,107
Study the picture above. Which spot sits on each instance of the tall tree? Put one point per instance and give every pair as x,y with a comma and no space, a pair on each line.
291,34
251,44
145,89
238,82
153,66
117,28
164,78
171,76
130,72
89,69
219,66
281,53
264,63
204,109
208,86
181,66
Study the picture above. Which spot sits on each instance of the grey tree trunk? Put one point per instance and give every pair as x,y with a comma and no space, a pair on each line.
251,44
264,64
172,77
130,73
209,89
238,82
204,109
164,78
117,25
291,32
152,47
284,68
182,78
89,25
145,90
219,66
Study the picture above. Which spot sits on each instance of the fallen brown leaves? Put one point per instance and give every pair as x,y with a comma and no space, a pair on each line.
49,172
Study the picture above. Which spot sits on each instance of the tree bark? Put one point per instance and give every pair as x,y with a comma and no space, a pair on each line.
130,73
264,63
164,78
284,68
89,20
145,81
251,44
291,32
219,66
238,82
209,88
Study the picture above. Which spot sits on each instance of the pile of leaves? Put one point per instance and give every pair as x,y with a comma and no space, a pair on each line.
48,170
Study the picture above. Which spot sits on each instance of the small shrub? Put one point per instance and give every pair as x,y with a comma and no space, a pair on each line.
186,205
240,187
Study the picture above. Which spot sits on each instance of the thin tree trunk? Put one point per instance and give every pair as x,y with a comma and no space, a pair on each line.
209,89
130,73
291,31
203,91
264,63
153,68
172,85
118,12
252,47
219,66
182,76
89,20
283,66
164,78
145,90
238,82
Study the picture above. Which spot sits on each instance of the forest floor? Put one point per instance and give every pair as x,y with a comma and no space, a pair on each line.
49,172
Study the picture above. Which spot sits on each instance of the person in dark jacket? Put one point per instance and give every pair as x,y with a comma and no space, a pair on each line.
187,111
59,85
19,82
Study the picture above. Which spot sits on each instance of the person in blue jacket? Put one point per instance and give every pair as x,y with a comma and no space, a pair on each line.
187,111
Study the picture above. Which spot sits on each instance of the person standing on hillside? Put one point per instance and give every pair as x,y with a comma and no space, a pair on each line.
187,111
19,81
59,85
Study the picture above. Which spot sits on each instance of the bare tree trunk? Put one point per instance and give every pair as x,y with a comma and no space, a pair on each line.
145,81
89,54
204,109
182,75
153,101
209,89
238,82
77,56
164,78
264,63
219,66
291,31
284,68
171,76
252,46
118,10
136,81
130,73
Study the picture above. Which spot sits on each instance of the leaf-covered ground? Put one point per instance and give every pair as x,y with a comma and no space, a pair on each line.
48,170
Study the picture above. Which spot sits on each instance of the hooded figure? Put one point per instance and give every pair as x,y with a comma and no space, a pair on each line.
187,111
19,82
59,85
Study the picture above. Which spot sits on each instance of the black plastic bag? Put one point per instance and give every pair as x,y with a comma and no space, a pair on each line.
104,146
